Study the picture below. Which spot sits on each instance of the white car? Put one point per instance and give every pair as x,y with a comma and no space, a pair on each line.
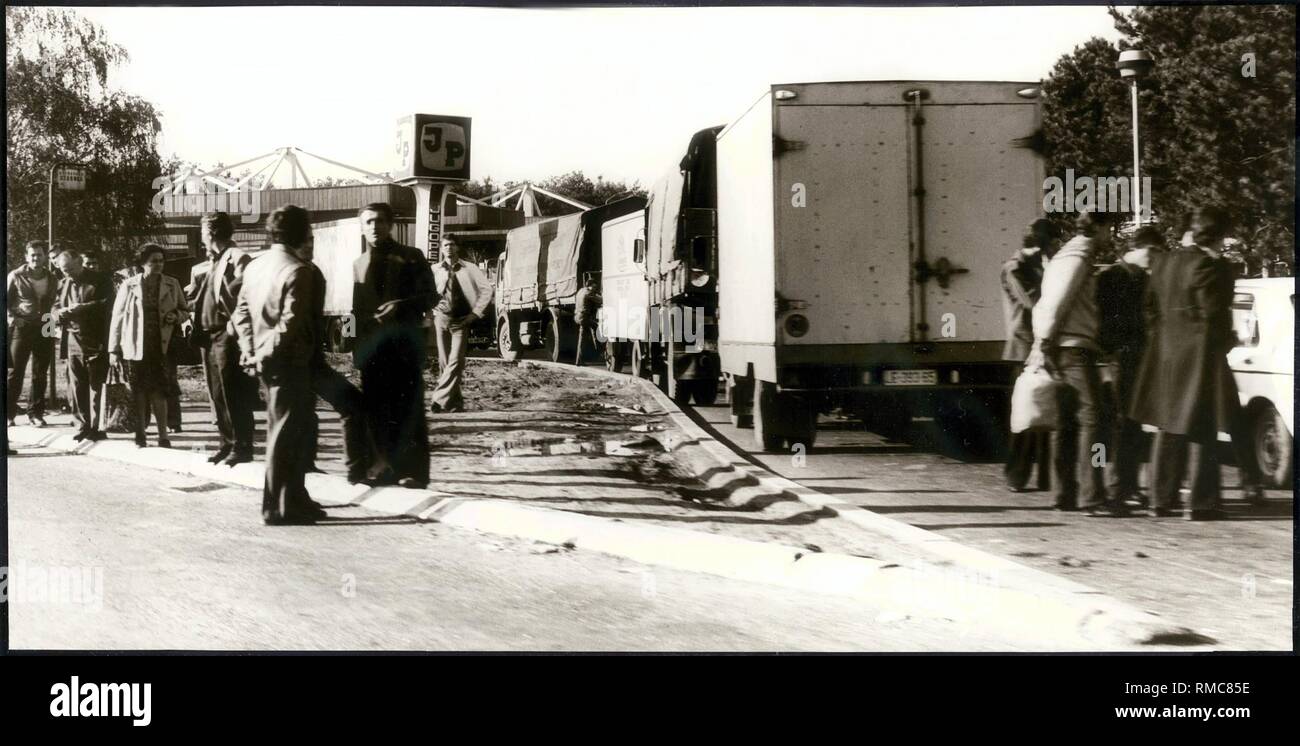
1263,313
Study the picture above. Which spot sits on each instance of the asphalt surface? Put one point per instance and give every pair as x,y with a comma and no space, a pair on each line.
1232,580
184,564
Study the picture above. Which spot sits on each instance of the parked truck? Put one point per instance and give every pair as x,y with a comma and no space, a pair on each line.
539,274
861,230
679,348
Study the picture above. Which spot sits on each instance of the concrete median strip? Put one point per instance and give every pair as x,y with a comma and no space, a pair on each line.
1046,610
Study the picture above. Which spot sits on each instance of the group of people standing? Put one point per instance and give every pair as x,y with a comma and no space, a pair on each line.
259,317
273,307
1157,325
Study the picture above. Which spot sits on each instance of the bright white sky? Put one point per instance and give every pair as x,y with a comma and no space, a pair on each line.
613,92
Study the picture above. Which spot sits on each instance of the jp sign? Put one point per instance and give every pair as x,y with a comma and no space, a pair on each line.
434,147
71,178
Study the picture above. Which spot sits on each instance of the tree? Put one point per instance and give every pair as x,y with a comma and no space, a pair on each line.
61,109
1217,115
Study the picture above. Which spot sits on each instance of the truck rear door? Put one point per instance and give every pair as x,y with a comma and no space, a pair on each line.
892,230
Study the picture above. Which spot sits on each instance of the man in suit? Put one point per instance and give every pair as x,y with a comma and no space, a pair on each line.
232,393
392,292
278,337
83,309
1022,279
1184,385
464,294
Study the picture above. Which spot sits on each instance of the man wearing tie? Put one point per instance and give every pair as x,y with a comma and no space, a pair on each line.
463,296
231,391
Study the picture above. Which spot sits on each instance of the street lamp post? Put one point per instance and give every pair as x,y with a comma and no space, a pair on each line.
1134,64
72,177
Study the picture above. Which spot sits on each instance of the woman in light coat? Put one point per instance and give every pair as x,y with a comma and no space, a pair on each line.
148,309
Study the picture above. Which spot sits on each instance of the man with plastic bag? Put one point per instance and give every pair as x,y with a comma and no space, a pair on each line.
1065,343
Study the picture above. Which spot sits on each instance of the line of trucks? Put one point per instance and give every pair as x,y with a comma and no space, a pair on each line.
837,246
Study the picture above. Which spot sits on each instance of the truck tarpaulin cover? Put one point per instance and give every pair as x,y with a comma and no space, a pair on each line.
696,176
542,261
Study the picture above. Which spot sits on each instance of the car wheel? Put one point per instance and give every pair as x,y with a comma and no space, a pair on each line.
1272,446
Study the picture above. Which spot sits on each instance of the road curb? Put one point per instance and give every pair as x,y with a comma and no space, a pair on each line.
902,591
740,483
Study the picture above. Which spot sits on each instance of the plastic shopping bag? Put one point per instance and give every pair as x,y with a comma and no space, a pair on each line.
1033,401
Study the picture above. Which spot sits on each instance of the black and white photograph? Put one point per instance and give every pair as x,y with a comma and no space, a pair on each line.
650,329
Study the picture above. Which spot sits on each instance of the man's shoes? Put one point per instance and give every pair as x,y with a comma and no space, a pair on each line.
293,519
412,483
1167,512
454,408
164,443
435,408
1107,510
37,420
1066,506
96,435
80,436
239,457
1209,514
314,469
140,442
220,455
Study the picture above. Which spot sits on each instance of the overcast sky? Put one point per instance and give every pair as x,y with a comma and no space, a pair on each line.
613,92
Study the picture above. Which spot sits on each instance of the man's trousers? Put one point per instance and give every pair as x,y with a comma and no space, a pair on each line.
27,343
451,362
338,392
392,389
87,373
289,436
232,392
1081,431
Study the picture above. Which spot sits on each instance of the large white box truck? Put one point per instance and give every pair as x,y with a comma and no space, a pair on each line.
861,231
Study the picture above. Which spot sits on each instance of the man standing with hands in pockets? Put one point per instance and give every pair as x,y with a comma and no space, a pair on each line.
463,296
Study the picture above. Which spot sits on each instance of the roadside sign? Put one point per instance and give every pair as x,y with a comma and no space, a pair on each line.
433,146
70,178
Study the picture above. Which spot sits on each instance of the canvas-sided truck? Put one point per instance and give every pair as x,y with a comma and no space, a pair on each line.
539,274
861,231
681,262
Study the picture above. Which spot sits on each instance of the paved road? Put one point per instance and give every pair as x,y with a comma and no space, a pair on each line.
1232,580
187,565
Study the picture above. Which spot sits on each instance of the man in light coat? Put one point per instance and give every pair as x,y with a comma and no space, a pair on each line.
1065,339
464,294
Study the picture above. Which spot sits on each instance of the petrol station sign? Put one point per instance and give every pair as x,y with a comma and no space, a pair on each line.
433,146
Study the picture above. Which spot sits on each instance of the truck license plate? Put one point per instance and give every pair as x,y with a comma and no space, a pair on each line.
911,377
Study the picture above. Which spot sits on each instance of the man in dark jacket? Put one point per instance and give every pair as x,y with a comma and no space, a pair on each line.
83,308
1022,278
1184,386
1121,288
29,297
232,393
393,289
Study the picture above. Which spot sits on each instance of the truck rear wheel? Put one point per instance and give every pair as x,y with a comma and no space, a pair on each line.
782,419
639,369
740,395
703,390
614,354
560,347
505,342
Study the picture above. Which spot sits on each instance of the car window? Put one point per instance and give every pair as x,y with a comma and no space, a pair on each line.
1244,321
